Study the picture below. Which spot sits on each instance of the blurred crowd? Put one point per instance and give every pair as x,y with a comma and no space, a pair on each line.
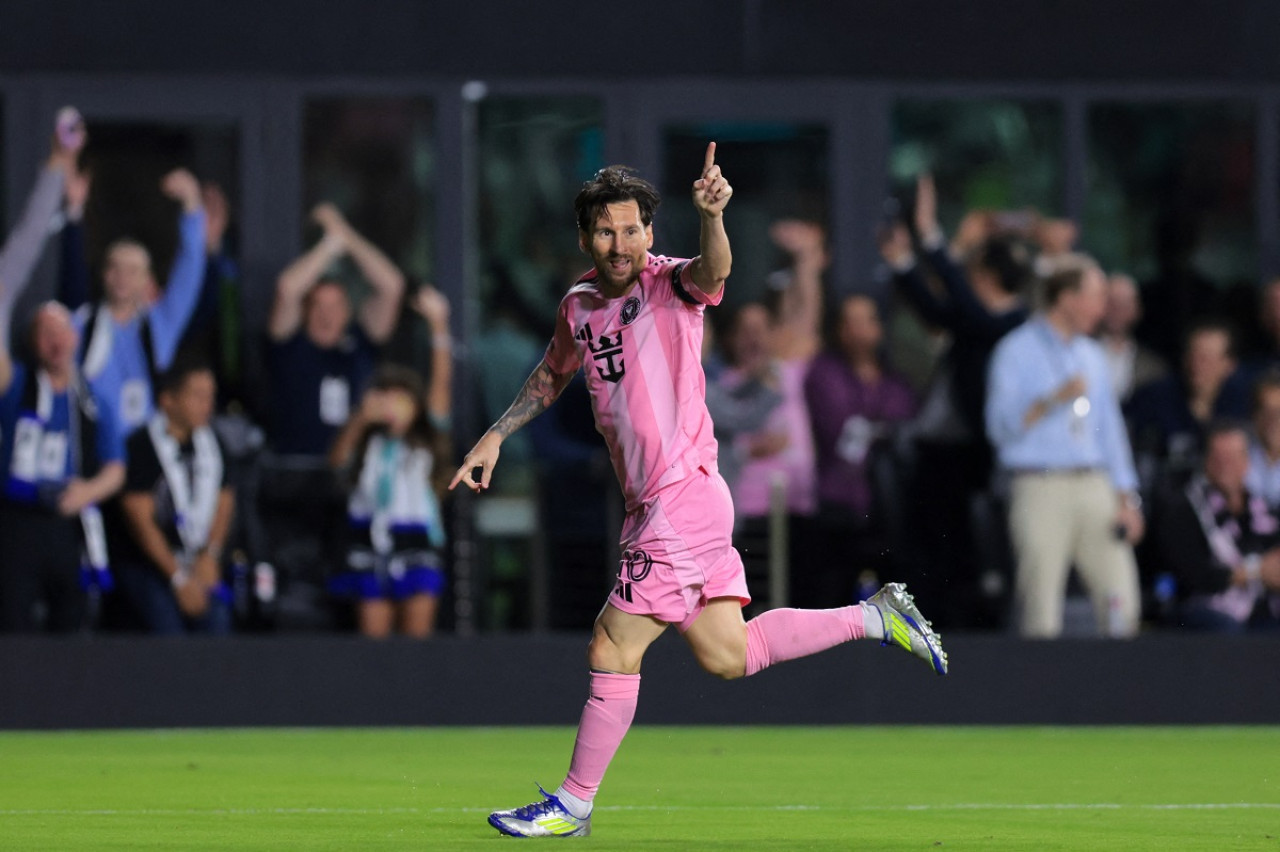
1072,461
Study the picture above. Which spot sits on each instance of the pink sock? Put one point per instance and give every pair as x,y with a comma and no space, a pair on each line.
786,634
605,720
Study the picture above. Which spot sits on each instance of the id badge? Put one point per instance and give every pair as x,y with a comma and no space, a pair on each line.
133,402
335,400
53,456
25,466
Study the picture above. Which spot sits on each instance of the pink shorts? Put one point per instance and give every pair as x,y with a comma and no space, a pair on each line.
678,553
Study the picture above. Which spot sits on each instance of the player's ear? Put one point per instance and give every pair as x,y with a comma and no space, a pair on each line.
582,241
648,236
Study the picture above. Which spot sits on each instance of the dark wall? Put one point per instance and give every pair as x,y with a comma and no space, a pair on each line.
106,682
1226,40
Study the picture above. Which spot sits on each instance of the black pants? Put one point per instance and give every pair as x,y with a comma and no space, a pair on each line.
39,563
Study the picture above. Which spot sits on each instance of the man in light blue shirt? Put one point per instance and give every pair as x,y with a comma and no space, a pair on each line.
128,338
1057,429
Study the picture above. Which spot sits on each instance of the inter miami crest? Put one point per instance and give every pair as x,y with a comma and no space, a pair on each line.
630,309
606,351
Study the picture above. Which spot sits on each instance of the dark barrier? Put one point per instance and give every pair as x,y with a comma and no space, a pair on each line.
108,682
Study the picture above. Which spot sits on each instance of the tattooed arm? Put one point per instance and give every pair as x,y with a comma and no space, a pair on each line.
541,389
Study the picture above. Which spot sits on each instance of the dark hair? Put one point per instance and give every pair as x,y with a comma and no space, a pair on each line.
1211,325
175,378
421,432
1269,380
1224,426
611,185
1008,259
1067,278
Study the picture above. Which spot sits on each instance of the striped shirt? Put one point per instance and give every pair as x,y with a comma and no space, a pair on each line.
641,356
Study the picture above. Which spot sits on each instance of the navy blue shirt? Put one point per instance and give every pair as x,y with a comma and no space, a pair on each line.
314,390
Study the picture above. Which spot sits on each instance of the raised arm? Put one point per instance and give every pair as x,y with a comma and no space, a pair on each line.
22,247
799,329
711,194
379,311
301,275
542,388
170,315
434,308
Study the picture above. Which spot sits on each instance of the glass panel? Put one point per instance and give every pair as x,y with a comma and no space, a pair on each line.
1170,183
127,161
778,171
996,154
375,159
534,154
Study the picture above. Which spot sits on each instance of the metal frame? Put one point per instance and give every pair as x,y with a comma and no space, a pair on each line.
269,110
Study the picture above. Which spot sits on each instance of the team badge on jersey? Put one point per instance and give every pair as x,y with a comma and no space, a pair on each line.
630,310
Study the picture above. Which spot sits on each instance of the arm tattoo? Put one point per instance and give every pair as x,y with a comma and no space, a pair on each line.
540,390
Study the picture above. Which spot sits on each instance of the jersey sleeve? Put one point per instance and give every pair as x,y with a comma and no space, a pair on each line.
561,355
680,275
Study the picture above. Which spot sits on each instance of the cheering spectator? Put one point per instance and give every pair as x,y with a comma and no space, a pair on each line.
178,506
741,402
978,303
854,403
1168,417
1263,477
319,359
22,248
795,294
1132,365
392,449
131,336
62,457
1222,542
1057,428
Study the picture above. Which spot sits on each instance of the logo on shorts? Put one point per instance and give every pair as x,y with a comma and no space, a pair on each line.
638,563
630,309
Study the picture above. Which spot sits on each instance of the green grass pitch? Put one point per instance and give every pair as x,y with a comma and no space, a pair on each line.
828,788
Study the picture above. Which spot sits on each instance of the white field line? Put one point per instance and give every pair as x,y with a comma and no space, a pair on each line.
958,806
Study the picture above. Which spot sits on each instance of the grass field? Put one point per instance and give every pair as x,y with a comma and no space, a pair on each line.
670,788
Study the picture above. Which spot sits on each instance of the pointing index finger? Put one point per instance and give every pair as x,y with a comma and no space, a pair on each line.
710,159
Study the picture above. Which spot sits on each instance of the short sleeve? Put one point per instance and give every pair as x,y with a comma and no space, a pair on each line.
682,283
561,355
143,468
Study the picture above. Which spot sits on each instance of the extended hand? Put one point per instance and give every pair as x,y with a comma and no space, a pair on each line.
74,497
926,206
483,455
711,192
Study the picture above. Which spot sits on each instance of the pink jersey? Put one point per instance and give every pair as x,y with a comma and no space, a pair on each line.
642,357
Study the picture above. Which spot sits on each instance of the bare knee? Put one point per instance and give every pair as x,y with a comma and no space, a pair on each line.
726,661
606,655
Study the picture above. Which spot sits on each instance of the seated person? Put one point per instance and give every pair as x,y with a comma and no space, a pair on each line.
1167,417
318,359
1222,543
62,457
178,508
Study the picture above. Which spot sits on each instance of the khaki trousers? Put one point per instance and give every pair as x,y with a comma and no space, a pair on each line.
1060,519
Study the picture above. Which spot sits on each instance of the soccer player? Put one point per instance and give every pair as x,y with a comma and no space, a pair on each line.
634,325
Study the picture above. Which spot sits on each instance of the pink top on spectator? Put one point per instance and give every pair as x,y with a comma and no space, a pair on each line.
795,463
642,357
